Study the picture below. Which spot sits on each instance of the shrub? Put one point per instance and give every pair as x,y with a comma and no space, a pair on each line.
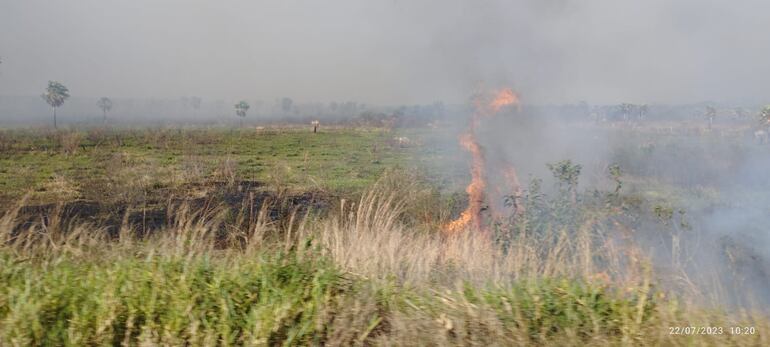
70,141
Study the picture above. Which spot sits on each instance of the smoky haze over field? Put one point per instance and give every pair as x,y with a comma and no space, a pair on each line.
151,56
388,52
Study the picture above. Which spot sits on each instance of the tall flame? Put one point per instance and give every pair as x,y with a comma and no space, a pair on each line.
476,189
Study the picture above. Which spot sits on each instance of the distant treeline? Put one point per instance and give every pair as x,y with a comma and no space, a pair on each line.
32,110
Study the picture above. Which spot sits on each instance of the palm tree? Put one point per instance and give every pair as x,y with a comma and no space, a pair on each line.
105,104
240,110
55,95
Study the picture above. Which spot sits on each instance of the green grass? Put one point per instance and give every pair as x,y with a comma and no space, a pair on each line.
336,159
373,274
108,301
301,299
264,300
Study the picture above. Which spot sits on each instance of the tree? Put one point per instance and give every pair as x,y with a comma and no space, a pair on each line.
566,174
55,95
240,110
105,104
710,114
615,174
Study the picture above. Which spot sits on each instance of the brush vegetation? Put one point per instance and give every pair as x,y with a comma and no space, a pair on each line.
373,268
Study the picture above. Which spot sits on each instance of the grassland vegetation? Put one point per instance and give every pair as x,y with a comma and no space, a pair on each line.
280,236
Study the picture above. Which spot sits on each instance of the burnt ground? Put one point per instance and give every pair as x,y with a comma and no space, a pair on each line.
158,212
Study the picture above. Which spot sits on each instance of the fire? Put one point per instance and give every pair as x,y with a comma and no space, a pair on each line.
478,186
503,98
475,189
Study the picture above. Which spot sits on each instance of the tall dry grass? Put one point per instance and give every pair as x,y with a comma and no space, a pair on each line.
367,237
363,275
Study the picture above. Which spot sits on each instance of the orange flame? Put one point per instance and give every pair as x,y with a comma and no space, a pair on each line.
476,189
503,98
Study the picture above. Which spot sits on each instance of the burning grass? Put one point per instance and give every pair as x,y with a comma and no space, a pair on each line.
486,106
234,260
363,275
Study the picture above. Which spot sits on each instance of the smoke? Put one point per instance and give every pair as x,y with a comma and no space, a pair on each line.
389,52
419,51
716,240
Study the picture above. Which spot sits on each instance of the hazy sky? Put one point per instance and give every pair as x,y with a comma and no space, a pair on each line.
391,51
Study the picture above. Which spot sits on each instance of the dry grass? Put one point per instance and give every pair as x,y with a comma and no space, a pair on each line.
212,278
368,237
70,141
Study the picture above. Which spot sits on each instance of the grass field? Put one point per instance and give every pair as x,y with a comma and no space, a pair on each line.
342,159
284,237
